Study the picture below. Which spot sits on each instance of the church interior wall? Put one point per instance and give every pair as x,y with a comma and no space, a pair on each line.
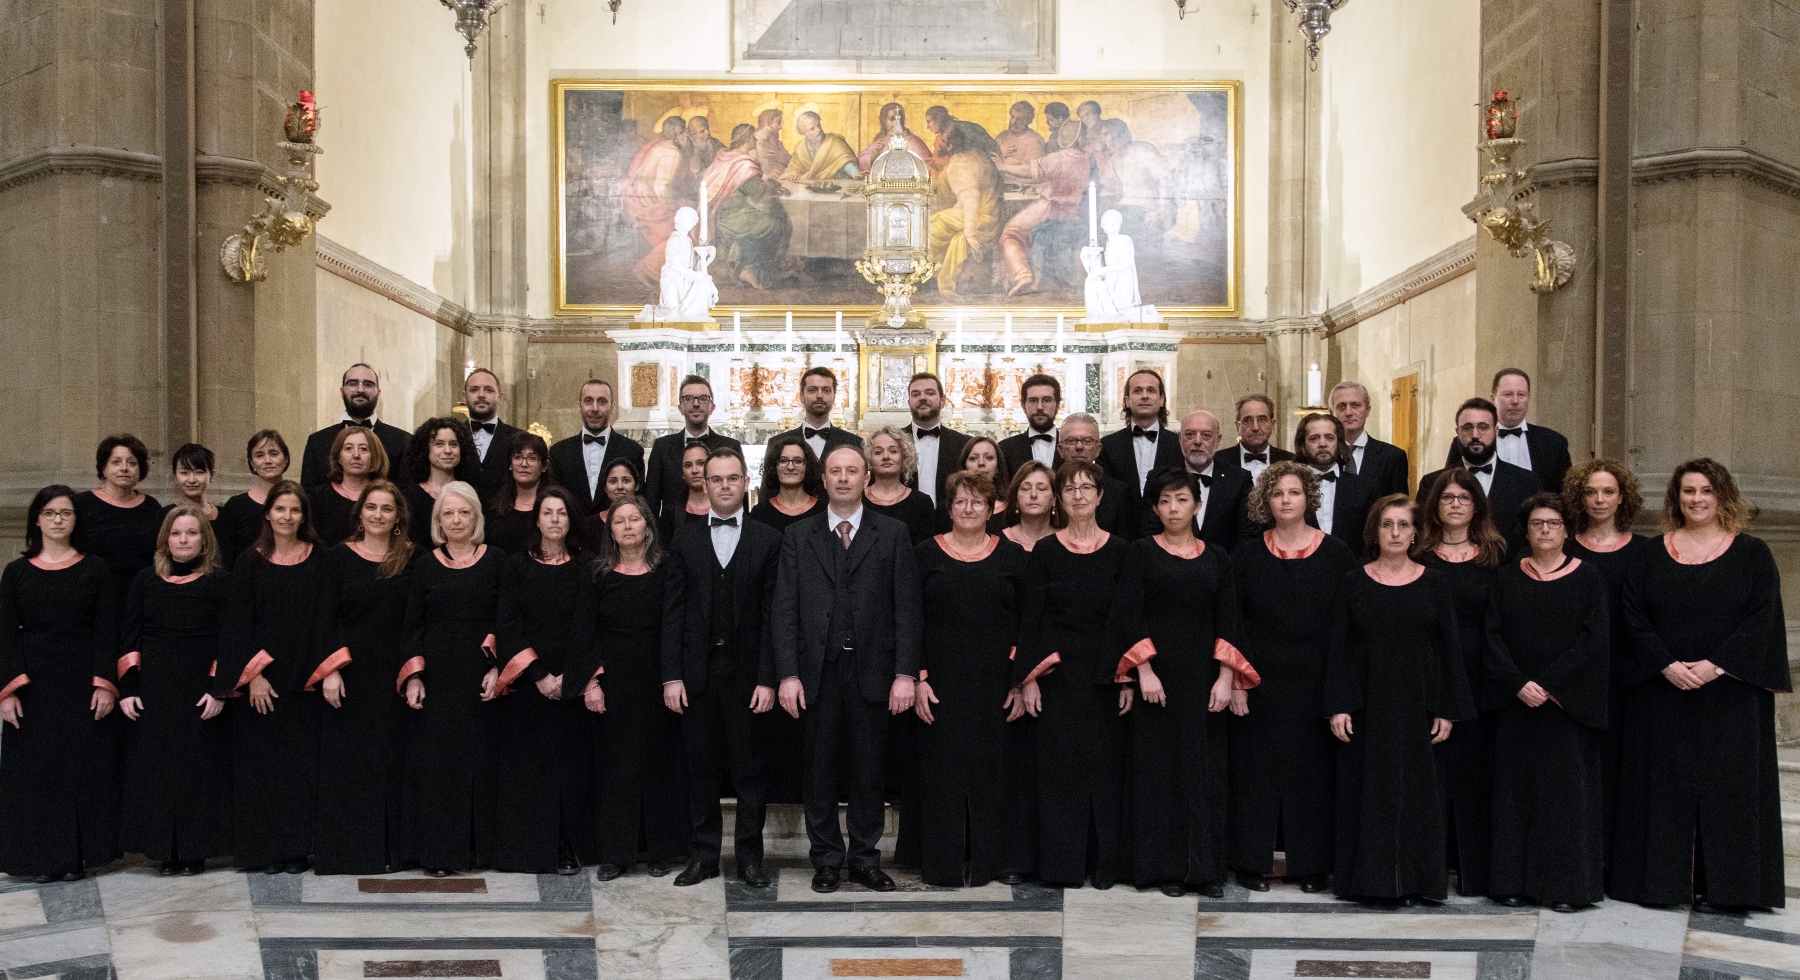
416,355
1431,334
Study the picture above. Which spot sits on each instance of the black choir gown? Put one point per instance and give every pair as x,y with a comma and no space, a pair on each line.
1179,615
418,512
450,790
1613,566
1080,736
1699,793
766,512
357,825
914,510
1465,760
1395,664
510,531
1546,832
269,629
643,797
123,537
177,785
783,734
58,642
334,515
1281,752
903,789
241,520
974,613
545,754
223,538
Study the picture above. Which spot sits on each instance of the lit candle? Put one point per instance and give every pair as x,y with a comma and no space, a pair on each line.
1093,215
1315,386
703,210
1059,330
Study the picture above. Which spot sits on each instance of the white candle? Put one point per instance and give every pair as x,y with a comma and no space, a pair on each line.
837,334
1009,333
1059,330
737,331
959,323
1315,386
1093,215
790,332
703,210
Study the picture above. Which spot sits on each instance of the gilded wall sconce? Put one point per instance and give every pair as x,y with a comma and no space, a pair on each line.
284,221
1509,215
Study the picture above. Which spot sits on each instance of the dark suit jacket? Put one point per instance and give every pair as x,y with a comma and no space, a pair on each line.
834,437
1549,455
1120,462
493,467
1233,456
1115,514
663,482
1017,450
571,470
950,448
884,595
315,464
1384,465
687,604
1511,486
1227,519
1350,510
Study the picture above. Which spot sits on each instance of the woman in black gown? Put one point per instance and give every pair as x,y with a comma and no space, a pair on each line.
978,597
241,517
357,459
619,480
1395,685
120,522
1547,658
512,514
58,651
192,467
1064,673
1030,512
1458,540
450,649
1280,746
792,489
694,505
981,454
1175,623
177,792
545,756
1699,799
892,462
267,652
643,808
440,452
1604,501
363,592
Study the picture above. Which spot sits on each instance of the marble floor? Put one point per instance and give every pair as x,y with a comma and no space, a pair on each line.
132,924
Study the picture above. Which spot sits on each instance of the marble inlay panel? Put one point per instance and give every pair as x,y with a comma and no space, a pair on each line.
647,928
412,887
21,910
1269,964
50,947
353,964
186,945
1738,949
820,964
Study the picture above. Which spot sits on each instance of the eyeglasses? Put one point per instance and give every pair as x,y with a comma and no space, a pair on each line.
791,461
1545,524
527,458
1079,441
1256,420
1471,427
695,399
1456,498
1396,525
58,515
1074,489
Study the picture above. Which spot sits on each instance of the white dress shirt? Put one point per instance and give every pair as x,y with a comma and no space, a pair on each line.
832,520
1145,451
1486,479
1043,450
484,438
1356,450
1205,492
927,450
1255,466
1327,499
370,421
1514,449
593,454
816,442
725,536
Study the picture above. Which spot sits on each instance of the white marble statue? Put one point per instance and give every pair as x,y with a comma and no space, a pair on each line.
688,293
1112,282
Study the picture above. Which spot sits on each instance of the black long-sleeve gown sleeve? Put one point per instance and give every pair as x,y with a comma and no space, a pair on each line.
1613,566
123,537
642,790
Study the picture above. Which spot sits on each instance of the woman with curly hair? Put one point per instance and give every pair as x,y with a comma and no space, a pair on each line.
441,451
892,462
793,488
1699,815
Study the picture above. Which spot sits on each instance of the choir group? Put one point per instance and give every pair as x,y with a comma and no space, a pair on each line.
1136,658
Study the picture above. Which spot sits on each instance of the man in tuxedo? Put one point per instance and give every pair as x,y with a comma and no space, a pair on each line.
818,394
938,446
718,666
493,438
1255,416
1344,498
1224,514
1543,451
847,624
1382,464
1041,397
1144,444
1506,485
361,391
579,460
664,487
1080,442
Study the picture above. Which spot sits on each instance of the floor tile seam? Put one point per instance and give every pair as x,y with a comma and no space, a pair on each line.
877,905
1729,968
1308,908
51,929
507,907
1359,944
894,942
1738,927
301,943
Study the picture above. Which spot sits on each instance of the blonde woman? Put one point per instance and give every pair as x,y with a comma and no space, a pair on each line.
892,462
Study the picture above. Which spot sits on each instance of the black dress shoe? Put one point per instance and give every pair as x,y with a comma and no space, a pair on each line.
1010,878
438,872
1510,901
1409,901
825,880
1102,884
171,868
1173,889
1314,884
1253,881
1562,907
874,879
192,868
1214,890
568,867
1707,908
274,869
42,879
658,868
72,876
751,873
607,872
696,872
297,866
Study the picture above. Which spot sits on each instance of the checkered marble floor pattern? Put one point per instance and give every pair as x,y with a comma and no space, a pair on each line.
130,923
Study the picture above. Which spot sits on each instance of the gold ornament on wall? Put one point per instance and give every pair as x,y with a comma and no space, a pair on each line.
284,220
1509,214
898,259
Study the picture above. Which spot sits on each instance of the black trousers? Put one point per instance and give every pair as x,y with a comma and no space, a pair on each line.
845,733
722,735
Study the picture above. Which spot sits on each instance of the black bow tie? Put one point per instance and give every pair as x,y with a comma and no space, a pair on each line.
694,441
588,440
724,522
1262,457
1205,479
1513,432
919,433
1142,433
358,424
1330,477
1045,436
1483,468
487,427
807,432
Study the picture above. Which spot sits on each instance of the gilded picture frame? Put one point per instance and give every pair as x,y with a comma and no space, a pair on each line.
629,153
